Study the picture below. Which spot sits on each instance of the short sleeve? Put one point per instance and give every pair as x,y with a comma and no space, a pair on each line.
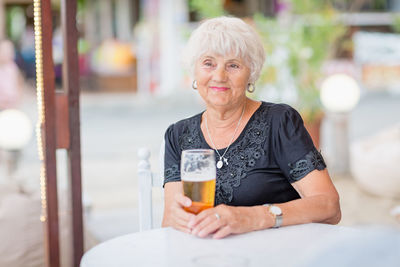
172,156
293,147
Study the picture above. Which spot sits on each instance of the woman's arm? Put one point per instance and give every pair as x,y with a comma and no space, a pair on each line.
174,201
319,203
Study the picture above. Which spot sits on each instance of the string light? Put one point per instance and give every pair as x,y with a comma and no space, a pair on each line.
40,103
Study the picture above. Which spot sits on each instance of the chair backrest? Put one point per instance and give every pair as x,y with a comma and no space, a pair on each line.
146,181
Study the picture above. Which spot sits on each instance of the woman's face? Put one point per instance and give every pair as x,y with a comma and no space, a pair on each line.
221,80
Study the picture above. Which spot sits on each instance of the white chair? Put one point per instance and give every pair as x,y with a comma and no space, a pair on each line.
146,181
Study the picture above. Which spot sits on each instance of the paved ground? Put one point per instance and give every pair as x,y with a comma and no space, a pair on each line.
114,126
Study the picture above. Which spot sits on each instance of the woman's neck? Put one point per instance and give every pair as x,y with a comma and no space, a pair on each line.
225,118
221,125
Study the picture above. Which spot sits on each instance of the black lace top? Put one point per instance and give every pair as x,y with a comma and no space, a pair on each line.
273,150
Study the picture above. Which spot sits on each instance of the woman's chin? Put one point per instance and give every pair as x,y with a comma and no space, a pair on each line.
222,100
219,102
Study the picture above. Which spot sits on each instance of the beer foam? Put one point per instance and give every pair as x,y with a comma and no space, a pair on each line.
201,177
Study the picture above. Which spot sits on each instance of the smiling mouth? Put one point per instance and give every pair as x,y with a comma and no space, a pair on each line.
217,88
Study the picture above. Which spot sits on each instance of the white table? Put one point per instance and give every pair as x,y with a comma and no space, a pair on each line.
286,246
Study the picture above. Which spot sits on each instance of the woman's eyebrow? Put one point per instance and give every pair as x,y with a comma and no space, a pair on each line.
236,60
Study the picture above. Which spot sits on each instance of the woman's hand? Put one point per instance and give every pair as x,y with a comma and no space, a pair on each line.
179,218
224,220
174,214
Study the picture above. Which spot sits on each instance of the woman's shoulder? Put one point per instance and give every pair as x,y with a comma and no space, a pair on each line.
279,115
184,123
277,111
277,108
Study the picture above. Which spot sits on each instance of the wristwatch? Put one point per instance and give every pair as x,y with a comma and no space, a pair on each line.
276,212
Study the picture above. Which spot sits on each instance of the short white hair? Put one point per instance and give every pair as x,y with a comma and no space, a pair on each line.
222,36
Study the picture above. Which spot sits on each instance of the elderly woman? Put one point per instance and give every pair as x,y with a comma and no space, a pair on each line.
269,172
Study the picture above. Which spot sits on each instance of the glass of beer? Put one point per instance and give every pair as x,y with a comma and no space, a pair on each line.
198,175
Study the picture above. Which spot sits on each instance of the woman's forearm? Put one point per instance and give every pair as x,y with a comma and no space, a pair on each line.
312,209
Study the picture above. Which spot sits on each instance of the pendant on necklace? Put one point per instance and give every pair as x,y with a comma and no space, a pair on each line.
221,161
220,164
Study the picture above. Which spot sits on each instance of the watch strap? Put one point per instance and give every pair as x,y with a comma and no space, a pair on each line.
277,217
278,221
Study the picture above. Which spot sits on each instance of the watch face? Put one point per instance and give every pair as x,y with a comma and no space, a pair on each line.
276,210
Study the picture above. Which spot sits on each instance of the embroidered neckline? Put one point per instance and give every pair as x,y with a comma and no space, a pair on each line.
198,122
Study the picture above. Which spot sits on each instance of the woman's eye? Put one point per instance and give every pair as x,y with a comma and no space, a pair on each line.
207,64
234,66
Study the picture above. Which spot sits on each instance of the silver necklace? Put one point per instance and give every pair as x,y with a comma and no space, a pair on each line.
222,158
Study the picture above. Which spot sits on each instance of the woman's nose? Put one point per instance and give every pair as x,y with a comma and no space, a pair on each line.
220,74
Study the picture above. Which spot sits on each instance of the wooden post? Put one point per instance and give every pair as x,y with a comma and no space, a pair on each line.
59,124
71,88
48,128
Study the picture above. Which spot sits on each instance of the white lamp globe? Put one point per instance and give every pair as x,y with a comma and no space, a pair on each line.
339,93
15,129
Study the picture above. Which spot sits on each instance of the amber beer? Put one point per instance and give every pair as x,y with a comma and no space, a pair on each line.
198,174
201,193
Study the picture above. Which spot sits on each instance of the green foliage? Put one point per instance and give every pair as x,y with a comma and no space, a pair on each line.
308,6
396,24
81,5
15,22
379,4
308,36
207,9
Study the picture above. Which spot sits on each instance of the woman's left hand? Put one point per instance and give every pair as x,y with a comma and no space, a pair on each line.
224,220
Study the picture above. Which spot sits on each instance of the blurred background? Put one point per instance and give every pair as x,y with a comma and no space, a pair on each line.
336,61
